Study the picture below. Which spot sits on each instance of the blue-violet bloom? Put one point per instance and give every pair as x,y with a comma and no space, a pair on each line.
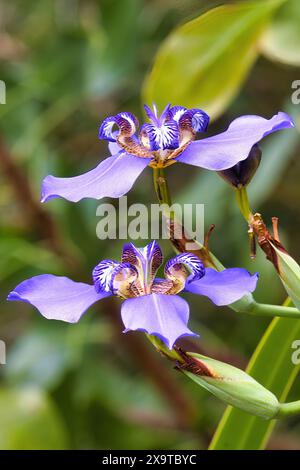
150,304
162,141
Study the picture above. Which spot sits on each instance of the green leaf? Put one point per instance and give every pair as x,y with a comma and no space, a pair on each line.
204,62
281,41
271,365
29,420
16,253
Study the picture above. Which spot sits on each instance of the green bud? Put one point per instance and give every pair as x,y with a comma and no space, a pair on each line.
289,272
231,385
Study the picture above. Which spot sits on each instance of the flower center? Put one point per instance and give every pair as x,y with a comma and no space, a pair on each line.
162,139
135,275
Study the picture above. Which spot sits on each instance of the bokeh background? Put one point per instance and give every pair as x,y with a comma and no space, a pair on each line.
68,64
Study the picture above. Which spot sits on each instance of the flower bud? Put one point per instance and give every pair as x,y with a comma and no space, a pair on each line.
242,173
289,272
231,385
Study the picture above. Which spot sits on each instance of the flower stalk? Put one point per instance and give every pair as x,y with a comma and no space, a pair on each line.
289,409
160,346
161,186
246,304
243,202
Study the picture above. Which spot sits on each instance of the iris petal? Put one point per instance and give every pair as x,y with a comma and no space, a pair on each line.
176,266
224,287
116,278
194,119
161,136
165,316
146,260
57,298
126,122
225,150
175,112
113,177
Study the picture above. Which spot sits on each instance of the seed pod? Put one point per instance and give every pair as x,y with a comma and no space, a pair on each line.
289,272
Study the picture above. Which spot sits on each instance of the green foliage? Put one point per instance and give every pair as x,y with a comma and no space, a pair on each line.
272,366
204,62
29,420
84,385
281,41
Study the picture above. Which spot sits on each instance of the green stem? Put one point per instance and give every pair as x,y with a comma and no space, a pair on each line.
243,202
265,310
246,304
161,186
289,409
162,348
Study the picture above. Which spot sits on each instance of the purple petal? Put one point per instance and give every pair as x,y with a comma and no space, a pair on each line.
152,115
102,275
57,298
224,287
175,112
114,177
111,276
114,148
165,316
194,119
146,260
224,150
126,122
175,267
162,136
163,132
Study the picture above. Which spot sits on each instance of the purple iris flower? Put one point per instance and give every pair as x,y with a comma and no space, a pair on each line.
150,304
164,140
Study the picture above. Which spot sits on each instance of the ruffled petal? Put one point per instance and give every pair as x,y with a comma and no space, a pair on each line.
162,133
57,298
194,119
175,267
165,316
161,136
224,287
224,150
113,277
175,112
126,122
146,260
114,177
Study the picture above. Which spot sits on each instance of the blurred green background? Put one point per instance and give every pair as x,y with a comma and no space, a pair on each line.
67,64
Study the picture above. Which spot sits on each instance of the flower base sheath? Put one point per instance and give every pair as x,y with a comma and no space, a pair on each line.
163,141
150,304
